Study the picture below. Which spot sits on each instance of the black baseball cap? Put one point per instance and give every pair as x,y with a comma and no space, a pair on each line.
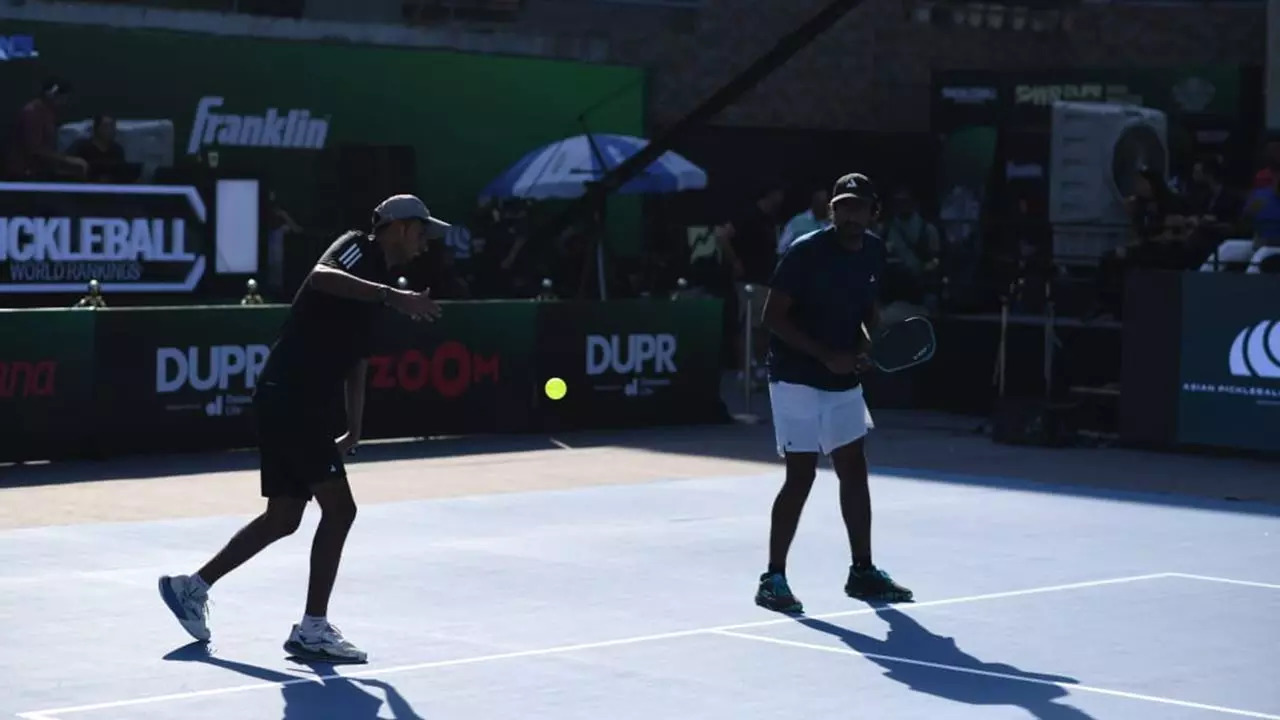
854,185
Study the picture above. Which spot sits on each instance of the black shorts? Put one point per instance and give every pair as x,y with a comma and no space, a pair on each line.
296,447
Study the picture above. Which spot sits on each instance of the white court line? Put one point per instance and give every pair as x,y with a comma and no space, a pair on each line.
1229,581
54,714
1002,676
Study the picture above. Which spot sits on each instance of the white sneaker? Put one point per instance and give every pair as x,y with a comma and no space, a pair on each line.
188,602
326,646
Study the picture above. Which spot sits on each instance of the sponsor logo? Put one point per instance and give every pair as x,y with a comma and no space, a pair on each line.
291,129
230,372
1049,94
1023,171
28,378
155,249
18,47
1254,356
970,95
1256,351
644,358
78,249
1074,92
450,370
1194,94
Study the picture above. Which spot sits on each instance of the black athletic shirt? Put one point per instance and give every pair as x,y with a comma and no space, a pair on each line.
324,335
832,290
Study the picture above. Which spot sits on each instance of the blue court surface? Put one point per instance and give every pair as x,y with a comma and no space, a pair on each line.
635,601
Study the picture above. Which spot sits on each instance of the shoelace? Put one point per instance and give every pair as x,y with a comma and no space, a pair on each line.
193,598
328,633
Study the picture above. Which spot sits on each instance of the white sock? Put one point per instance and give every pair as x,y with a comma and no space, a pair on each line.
312,625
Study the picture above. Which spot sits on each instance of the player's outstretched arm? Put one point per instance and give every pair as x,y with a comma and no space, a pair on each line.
331,280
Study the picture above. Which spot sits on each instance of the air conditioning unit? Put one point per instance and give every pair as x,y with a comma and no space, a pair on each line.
1095,153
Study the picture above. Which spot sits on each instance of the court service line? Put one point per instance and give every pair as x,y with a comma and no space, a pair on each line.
55,713
1002,676
1229,581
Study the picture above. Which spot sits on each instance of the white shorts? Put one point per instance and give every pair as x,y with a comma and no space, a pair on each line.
809,420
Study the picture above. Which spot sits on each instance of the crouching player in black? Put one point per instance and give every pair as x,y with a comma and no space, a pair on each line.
322,350
821,297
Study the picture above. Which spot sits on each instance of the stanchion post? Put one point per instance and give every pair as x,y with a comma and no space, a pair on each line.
747,347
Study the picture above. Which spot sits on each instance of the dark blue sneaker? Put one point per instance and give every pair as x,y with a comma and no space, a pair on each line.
775,594
875,584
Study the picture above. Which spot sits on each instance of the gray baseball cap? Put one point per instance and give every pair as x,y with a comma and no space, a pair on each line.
408,207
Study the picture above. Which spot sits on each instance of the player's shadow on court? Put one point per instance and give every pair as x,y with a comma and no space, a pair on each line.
907,639
312,697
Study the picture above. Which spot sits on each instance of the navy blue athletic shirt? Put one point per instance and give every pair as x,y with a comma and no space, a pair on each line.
832,290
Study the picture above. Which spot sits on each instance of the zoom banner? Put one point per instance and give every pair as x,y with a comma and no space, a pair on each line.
1229,392
467,372
630,362
173,379
46,383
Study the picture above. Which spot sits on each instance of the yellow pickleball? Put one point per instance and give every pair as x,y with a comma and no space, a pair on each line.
556,388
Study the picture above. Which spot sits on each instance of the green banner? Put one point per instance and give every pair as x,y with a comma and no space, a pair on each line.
46,383
630,362
273,106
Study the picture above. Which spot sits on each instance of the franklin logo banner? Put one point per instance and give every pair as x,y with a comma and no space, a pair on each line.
56,237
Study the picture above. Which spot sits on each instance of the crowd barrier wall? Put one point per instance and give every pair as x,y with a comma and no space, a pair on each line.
1201,364
102,382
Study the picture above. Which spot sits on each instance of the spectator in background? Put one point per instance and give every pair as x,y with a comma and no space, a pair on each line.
1158,239
1214,209
33,148
914,251
102,154
1262,212
1209,197
749,246
816,217
1267,176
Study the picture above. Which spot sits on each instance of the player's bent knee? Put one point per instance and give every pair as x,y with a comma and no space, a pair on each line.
284,516
343,513
335,501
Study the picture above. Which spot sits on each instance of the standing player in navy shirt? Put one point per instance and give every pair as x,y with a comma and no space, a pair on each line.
821,297
321,353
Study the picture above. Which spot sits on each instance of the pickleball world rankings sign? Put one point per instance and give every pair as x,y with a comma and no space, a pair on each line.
56,237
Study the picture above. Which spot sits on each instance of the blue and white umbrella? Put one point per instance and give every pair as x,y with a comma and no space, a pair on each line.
561,169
